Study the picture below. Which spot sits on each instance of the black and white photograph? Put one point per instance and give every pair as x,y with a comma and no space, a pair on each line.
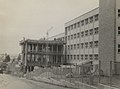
59,44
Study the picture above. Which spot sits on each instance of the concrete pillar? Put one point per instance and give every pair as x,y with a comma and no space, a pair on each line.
37,48
107,36
52,48
57,48
26,51
32,47
34,57
42,47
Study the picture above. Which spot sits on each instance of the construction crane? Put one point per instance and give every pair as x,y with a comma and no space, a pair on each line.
47,34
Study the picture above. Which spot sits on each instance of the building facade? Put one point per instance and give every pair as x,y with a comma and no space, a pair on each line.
95,36
41,53
109,34
82,37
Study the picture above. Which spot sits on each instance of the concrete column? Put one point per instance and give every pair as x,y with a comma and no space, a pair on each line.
32,47
56,58
42,47
37,48
26,50
57,48
52,48
53,59
61,59
34,57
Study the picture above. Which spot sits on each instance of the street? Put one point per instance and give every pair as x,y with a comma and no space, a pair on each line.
11,82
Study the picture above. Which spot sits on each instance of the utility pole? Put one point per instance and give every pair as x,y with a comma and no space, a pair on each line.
47,34
47,45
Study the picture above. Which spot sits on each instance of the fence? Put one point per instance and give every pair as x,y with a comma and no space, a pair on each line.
109,73
104,75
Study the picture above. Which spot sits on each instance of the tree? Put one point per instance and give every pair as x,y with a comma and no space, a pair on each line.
7,59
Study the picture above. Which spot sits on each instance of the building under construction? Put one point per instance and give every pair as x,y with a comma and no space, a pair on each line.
42,53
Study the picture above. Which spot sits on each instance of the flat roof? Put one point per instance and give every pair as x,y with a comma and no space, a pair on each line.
41,41
82,14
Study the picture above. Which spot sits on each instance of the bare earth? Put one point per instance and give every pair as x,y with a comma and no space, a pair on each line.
11,82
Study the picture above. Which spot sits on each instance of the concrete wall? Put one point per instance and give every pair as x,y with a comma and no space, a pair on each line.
106,33
117,36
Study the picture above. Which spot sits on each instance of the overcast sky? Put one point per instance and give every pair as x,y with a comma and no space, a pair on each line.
32,18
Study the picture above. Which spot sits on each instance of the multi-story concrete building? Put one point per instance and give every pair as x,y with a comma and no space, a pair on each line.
82,34
95,36
41,53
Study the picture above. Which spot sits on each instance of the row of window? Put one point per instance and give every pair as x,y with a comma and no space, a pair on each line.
60,39
118,12
119,30
118,48
83,45
82,23
82,57
84,33
85,22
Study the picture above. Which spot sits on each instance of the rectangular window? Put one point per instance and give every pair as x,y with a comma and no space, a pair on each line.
91,31
78,35
78,24
74,57
82,45
91,57
86,57
68,57
118,30
96,43
91,19
96,30
86,33
78,57
82,34
118,12
78,46
68,47
82,22
71,57
30,47
86,21
74,36
34,47
91,44
86,45
68,37
74,25
118,48
71,47
71,27
96,17
96,56
71,36
82,57
74,46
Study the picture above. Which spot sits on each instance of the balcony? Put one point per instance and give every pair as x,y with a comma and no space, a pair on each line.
46,53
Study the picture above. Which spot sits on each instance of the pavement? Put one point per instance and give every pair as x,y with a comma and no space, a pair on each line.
12,82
